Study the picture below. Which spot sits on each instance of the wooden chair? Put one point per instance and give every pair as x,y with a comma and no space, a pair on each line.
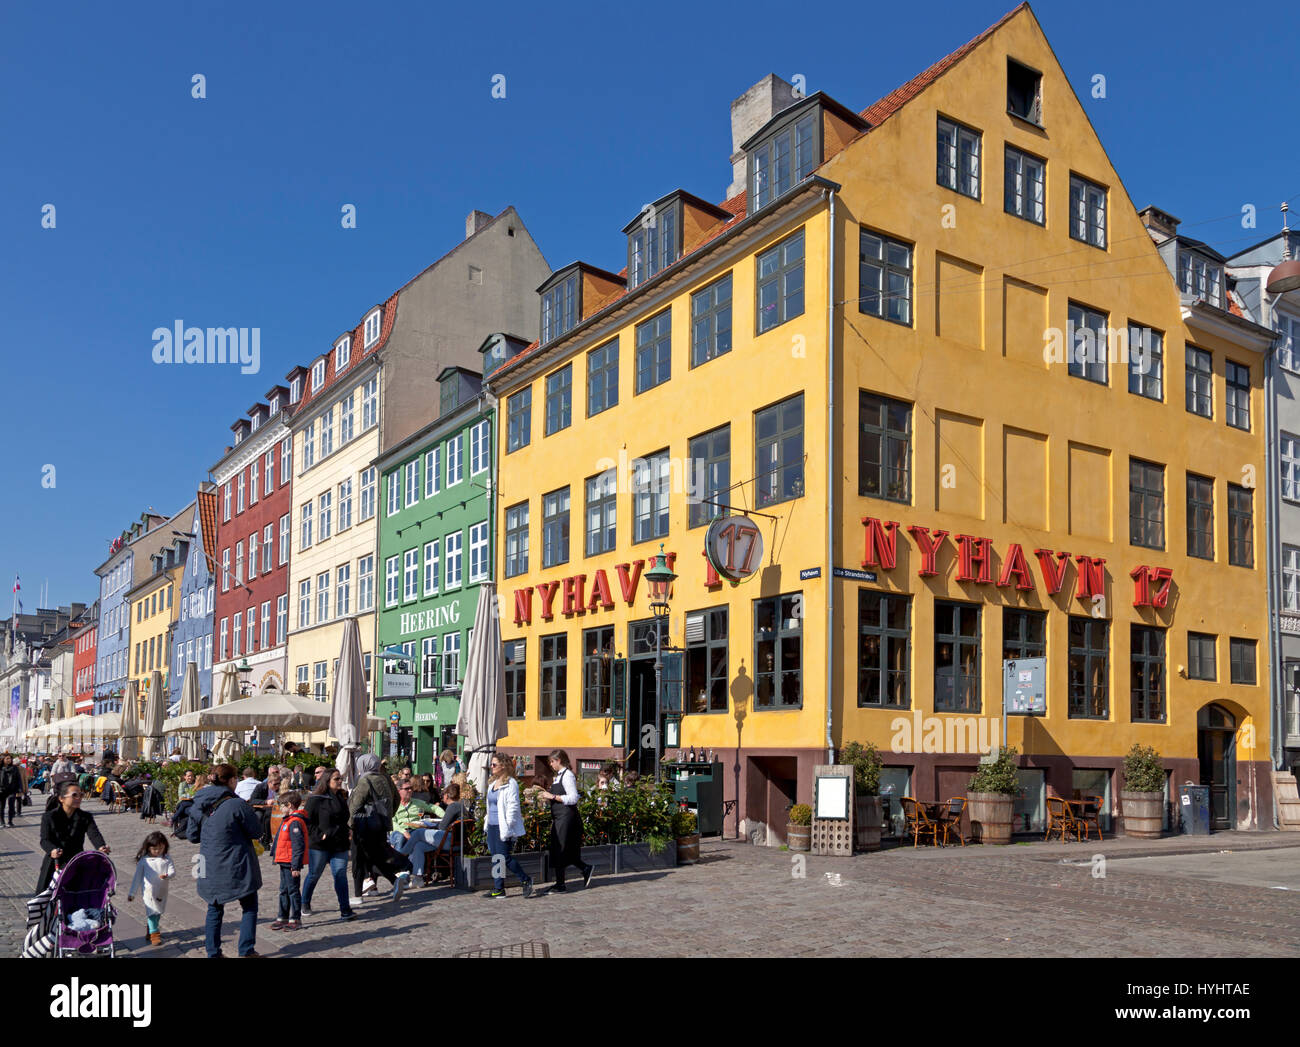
444,858
1086,811
918,822
1060,819
950,820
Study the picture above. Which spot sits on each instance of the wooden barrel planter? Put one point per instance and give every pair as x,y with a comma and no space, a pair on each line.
1143,814
990,817
868,818
688,849
798,837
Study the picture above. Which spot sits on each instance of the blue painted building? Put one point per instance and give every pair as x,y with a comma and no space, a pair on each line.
117,576
192,635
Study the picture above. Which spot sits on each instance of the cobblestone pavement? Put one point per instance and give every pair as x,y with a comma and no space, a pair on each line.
1030,899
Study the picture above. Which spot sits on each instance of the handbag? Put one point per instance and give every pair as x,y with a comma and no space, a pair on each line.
27,799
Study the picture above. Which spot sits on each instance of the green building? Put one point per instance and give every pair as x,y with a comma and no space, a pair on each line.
435,548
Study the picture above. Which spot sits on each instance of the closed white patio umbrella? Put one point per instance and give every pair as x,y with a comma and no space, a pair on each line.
154,710
482,717
190,698
226,746
128,734
349,704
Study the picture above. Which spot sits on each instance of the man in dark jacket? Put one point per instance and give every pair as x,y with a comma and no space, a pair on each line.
228,870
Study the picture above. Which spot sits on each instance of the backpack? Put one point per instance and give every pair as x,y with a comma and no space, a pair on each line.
194,824
376,811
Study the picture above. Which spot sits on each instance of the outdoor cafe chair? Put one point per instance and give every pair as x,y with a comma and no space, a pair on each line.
1060,820
1087,814
448,850
919,822
950,819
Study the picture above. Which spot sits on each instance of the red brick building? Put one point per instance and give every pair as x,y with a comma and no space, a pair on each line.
85,643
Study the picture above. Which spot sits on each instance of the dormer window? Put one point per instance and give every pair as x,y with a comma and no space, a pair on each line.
317,376
653,243
274,406
1024,92
1200,277
784,158
372,328
239,436
342,352
560,308
295,390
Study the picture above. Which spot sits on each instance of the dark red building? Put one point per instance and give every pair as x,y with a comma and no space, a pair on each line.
85,643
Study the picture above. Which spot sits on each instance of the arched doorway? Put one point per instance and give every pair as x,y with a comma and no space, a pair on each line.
1216,732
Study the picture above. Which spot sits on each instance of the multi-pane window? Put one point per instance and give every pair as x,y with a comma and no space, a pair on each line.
1088,343
884,641
453,545
239,563
239,495
429,664
602,378
251,636
559,399
516,663
780,283
1241,660
651,484
884,448
284,540
366,584
345,504
325,517
779,454
1024,634
1200,516
347,411
1241,521
253,481
958,165
305,542
327,433
225,570
1200,277
1200,382
1290,458
783,161
1288,341
411,574
560,308
392,581
479,444
225,503
372,328
222,645
956,657
411,479
236,633
478,552
342,354
368,481
778,652
432,471
317,376
519,419
370,404
1148,674
1146,504
286,460
652,245
266,625
320,681
394,491
1024,186
431,567
1200,657
709,479
309,446
654,355
1236,397
884,277
1087,211
268,535
598,671
281,617
601,513
323,597
711,321
1089,668
555,528
516,540
269,472
706,661
252,557
554,669
1146,354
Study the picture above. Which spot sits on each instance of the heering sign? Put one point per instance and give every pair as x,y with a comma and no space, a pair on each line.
975,563
420,621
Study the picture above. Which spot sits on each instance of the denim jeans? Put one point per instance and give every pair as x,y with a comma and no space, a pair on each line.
290,895
14,804
247,925
496,846
154,922
338,863
421,842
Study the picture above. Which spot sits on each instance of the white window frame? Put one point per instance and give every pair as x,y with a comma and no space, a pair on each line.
266,625
1288,346
347,416
429,676
317,376
252,556
343,590
345,505
411,575
431,567
309,446
286,460
236,632
478,448
412,481
366,583
1291,577
1289,457
322,597
370,404
392,581
394,492
327,433
432,471
456,459
450,660
225,572
304,603
225,513
304,537
478,552
342,353
268,539
286,526
453,554
372,328
251,625
281,617
325,516
369,478
253,469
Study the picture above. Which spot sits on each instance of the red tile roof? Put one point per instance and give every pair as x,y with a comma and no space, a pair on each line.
310,395
208,526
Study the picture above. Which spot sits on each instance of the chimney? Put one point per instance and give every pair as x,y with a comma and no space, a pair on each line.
476,221
749,112
1160,224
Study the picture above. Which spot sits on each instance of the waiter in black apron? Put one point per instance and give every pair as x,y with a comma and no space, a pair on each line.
566,822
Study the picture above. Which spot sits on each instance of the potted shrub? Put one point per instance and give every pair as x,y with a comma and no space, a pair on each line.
866,764
992,790
1142,798
644,833
686,829
798,834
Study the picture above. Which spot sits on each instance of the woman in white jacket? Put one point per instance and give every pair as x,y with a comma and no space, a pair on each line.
505,823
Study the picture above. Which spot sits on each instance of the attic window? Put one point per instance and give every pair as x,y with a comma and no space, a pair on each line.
342,353
653,245
560,308
784,159
317,375
275,406
372,328
1024,92
253,424
1199,276
295,390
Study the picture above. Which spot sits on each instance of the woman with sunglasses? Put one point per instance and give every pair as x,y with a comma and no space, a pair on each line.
63,832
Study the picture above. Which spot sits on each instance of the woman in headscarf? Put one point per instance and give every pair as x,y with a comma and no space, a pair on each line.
371,806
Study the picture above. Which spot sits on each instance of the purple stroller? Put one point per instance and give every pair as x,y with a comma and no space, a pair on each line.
86,882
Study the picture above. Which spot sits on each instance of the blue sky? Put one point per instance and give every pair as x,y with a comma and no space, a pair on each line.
225,211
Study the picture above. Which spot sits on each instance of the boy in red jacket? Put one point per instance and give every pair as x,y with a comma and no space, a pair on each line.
291,856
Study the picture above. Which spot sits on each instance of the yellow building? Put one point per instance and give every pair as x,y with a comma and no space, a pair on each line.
900,348
153,613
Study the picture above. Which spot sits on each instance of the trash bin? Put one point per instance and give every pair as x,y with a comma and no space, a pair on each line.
1194,809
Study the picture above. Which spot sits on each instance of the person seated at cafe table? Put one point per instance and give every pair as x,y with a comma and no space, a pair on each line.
414,827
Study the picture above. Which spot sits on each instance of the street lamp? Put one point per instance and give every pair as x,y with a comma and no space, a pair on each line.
660,579
245,671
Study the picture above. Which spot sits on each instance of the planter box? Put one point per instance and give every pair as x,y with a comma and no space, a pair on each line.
476,873
990,817
798,837
867,815
688,849
636,857
601,856
1143,814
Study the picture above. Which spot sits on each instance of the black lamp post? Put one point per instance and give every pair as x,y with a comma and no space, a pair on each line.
659,578
245,671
